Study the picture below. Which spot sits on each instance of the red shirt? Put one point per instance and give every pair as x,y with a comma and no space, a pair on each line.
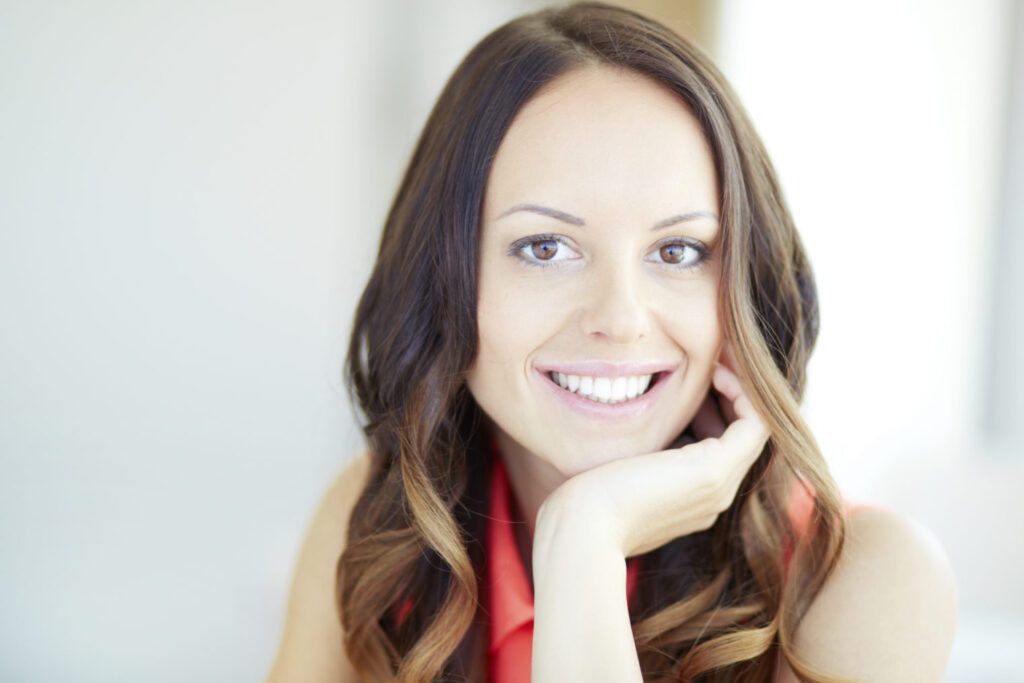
510,602
509,596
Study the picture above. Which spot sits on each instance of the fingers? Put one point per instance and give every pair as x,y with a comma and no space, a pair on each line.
726,381
726,357
747,434
725,405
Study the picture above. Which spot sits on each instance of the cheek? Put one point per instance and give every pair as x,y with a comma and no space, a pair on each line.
692,321
514,319
516,315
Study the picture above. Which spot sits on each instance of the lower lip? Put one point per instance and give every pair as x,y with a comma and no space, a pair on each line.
607,411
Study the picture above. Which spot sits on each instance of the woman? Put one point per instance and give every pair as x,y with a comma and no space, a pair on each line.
580,357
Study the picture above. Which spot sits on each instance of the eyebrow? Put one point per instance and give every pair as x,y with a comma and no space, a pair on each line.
576,220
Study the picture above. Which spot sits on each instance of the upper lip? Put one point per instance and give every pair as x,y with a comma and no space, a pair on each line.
604,368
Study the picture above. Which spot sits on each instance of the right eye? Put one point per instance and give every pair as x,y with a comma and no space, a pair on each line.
540,251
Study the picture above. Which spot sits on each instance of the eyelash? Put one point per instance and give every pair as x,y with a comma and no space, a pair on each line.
517,247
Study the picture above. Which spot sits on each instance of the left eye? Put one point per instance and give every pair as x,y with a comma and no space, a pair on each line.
676,254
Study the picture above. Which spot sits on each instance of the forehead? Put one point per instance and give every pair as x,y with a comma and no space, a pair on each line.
604,141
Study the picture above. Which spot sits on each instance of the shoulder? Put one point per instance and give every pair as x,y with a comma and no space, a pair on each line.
311,646
343,491
888,610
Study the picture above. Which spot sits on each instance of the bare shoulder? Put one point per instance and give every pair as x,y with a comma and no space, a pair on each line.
311,646
888,611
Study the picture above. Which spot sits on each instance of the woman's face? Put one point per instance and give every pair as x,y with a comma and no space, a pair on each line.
604,283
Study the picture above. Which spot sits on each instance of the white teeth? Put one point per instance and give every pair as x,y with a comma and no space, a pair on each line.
619,389
603,389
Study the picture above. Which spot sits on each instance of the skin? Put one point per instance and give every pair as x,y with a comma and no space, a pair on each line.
622,153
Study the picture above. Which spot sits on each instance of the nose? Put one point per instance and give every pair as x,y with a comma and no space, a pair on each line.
615,307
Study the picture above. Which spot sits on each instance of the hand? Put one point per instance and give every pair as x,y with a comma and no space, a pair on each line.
642,502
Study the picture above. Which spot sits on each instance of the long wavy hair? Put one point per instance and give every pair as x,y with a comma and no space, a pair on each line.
717,605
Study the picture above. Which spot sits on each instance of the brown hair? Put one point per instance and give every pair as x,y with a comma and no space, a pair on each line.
709,606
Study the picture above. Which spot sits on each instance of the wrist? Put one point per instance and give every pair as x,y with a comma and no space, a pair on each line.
569,533
582,626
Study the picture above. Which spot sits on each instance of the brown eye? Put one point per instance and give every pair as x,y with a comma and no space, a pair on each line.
673,253
546,249
682,255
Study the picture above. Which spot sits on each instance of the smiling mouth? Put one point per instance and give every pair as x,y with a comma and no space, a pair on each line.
606,389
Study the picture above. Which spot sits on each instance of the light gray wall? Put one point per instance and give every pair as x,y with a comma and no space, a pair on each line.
1003,412
191,195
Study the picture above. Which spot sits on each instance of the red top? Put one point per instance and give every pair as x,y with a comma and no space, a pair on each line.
508,592
510,602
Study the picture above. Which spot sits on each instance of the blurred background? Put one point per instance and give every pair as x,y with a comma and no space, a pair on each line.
191,195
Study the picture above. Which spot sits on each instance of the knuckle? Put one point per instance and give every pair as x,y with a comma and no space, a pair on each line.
707,522
712,447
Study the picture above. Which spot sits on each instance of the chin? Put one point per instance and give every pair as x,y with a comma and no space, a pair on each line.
580,455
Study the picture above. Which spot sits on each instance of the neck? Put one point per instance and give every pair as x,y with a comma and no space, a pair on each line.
531,480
